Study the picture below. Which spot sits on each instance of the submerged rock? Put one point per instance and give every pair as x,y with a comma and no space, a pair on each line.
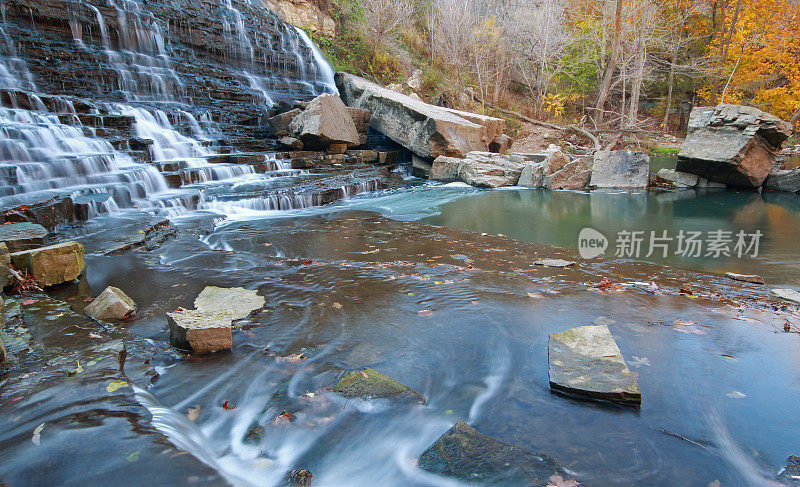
111,304
300,477
678,179
732,144
369,383
325,121
586,362
22,236
620,169
426,130
745,277
791,474
554,263
52,265
200,331
466,454
787,294
236,301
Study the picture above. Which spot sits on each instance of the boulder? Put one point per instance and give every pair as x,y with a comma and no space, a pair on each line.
336,149
111,304
296,144
791,474
368,383
620,169
466,454
22,236
586,362
783,180
678,179
426,130
786,294
360,119
555,170
492,127
236,301
279,124
732,144
52,265
752,278
325,121
481,169
200,331
500,144
5,265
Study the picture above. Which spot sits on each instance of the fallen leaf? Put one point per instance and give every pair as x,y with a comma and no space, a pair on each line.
29,301
425,312
94,335
133,457
193,413
76,370
37,434
116,385
364,374
337,305
228,407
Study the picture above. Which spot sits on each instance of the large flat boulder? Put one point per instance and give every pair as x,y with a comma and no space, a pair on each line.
22,236
368,383
426,130
200,331
111,304
732,144
237,301
51,265
481,169
466,454
586,362
620,169
325,121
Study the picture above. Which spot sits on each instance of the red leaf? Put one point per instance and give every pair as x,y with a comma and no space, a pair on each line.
228,407
29,301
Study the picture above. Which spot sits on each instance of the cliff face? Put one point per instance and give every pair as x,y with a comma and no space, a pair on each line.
308,14
227,60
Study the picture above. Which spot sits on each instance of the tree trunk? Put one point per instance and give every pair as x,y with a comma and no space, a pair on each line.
672,61
605,86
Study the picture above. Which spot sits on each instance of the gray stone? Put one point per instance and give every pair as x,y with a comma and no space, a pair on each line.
554,263
784,180
2,324
745,277
415,81
532,175
555,170
426,130
586,362
732,144
52,265
111,304
501,144
5,265
445,169
22,236
279,124
325,121
200,331
360,119
368,383
488,170
787,294
466,454
678,179
292,142
237,301
791,474
620,169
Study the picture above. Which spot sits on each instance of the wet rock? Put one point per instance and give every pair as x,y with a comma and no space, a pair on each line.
791,474
5,265
311,15
236,301
466,454
2,324
292,142
200,331
111,304
22,236
368,383
787,294
52,265
554,263
337,149
620,169
300,477
678,179
426,130
732,144
586,362
279,124
325,121
360,119
445,169
784,180
745,277
482,169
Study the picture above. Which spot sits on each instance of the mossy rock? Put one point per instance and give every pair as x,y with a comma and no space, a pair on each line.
369,383
466,454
